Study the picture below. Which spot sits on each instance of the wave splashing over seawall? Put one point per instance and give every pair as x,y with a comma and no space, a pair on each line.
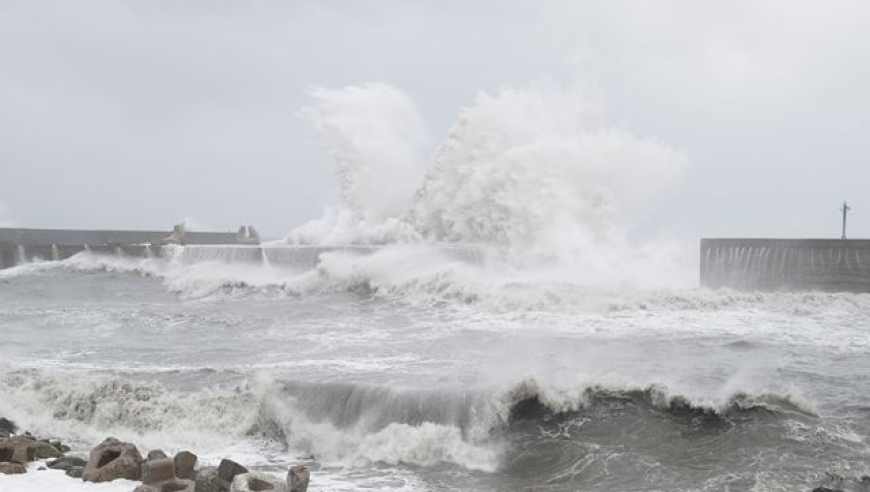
534,176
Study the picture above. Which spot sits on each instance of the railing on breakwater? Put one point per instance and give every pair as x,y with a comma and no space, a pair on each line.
832,265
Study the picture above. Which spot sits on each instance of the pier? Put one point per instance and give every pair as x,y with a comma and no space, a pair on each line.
829,265
19,246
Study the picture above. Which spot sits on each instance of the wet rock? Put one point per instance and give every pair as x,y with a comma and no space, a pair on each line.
7,427
43,450
174,485
227,470
67,462
257,482
185,465
207,480
158,471
156,454
12,468
75,472
112,460
63,448
17,449
298,478
179,485
41,468
6,453
826,489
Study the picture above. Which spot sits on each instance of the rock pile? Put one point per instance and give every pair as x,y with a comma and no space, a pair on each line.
113,459
18,450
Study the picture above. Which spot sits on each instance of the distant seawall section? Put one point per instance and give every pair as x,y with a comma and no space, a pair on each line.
831,265
26,245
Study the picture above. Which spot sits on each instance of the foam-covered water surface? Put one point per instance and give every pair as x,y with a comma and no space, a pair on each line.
421,390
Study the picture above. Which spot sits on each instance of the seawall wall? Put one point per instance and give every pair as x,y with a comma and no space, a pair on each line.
832,265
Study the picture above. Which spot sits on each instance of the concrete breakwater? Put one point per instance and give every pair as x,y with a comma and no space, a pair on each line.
26,245
832,265
19,246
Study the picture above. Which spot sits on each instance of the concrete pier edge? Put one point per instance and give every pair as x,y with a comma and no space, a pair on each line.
767,264
19,245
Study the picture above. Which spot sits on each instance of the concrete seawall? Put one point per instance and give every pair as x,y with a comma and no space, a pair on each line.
832,265
25,245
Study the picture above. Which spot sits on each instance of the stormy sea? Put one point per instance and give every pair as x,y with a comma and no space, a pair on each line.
484,318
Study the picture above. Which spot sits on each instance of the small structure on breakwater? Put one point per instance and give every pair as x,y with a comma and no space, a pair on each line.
831,265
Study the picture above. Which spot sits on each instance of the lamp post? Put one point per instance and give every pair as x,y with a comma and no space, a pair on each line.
845,209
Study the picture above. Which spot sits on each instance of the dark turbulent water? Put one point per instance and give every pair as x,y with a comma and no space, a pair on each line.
442,385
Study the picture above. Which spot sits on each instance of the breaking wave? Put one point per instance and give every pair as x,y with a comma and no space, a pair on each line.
353,424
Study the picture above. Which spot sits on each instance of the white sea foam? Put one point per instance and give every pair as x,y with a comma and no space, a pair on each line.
427,275
534,172
56,480
28,269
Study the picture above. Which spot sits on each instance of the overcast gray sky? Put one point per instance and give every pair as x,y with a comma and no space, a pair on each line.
133,114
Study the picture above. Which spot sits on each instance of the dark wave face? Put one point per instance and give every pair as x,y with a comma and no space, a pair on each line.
622,439
610,439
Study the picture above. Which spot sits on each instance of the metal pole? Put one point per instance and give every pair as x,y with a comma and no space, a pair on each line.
845,210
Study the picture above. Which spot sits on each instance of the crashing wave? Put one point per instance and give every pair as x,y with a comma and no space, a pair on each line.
345,424
527,400
533,172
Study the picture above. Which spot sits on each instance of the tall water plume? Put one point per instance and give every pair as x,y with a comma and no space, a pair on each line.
534,170
535,174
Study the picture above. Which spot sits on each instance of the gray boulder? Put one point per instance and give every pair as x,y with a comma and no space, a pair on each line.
185,465
66,462
158,475
298,478
43,450
12,468
111,460
158,471
174,485
257,482
7,427
75,472
207,480
156,454
227,470
17,449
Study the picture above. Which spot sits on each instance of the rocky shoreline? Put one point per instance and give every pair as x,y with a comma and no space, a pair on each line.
113,459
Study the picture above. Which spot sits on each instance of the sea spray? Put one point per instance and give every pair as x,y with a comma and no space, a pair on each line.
377,137
532,174
526,170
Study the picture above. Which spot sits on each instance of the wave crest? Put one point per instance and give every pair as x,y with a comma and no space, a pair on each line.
529,401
